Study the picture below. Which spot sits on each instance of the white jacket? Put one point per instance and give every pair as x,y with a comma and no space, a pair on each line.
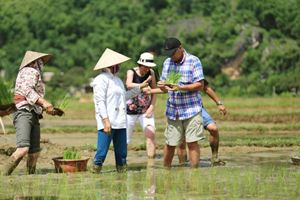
110,100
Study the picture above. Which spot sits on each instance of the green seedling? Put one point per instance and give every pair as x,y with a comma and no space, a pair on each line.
6,95
173,78
71,153
64,103
58,98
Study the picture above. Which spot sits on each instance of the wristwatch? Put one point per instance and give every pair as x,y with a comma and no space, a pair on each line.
219,103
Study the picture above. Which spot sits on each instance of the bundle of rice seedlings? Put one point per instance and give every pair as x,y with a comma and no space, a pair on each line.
58,98
7,105
71,153
64,102
173,78
6,93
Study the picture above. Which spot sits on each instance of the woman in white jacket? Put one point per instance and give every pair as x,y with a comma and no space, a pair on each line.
110,105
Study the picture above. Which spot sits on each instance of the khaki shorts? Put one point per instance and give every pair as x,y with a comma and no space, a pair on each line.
191,129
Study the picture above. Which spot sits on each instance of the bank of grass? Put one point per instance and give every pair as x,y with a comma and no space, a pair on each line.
256,110
266,110
238,128
260,141
272,121
266,182
227,141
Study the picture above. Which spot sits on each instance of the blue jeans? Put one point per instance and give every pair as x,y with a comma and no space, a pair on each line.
120,146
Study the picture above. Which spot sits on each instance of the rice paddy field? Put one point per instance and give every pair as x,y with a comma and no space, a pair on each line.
257,138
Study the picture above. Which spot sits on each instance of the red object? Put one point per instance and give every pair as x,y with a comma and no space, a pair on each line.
70,165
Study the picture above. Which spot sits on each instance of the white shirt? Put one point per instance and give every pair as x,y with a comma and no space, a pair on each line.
110,100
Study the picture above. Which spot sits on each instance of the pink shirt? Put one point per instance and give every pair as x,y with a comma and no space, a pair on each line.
29,84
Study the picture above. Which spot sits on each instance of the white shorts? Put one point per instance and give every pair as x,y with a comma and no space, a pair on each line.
144,122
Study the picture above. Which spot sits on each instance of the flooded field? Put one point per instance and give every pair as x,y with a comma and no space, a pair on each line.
260,174
258,137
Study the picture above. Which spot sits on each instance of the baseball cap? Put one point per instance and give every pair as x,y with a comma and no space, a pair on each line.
171,45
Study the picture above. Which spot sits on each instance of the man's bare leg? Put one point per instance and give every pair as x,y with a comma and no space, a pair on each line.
181,153
194,153
168,155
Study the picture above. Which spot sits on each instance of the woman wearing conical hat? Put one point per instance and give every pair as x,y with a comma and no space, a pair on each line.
110,106
30,103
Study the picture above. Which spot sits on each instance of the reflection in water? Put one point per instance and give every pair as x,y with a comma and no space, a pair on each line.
257,174
141,181
150,179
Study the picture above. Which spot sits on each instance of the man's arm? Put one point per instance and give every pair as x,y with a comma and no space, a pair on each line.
212,94
150,110
192,87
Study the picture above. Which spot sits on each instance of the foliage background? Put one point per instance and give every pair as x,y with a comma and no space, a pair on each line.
246,47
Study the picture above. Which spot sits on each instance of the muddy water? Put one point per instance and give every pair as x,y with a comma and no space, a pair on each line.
234,158
258,166
275,157
246,175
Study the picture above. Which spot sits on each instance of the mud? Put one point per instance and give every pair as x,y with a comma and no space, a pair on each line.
54,145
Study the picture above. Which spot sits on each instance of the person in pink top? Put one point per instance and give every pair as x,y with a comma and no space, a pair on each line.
30,103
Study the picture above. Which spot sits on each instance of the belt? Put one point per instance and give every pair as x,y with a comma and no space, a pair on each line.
19,98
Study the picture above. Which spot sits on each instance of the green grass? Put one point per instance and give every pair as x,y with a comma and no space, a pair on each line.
61,129
6,94
262,141
267,182
249,122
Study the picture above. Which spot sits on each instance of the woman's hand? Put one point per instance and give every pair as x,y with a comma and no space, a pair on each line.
47,106
144,84
107,126
146,90
49,109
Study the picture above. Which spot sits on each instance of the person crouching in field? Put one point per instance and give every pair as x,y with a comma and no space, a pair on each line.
110,107
142,106
30,103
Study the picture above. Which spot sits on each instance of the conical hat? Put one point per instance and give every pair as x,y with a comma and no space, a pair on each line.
110,58
31,56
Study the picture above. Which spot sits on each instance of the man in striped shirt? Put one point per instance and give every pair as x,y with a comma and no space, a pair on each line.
184,103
